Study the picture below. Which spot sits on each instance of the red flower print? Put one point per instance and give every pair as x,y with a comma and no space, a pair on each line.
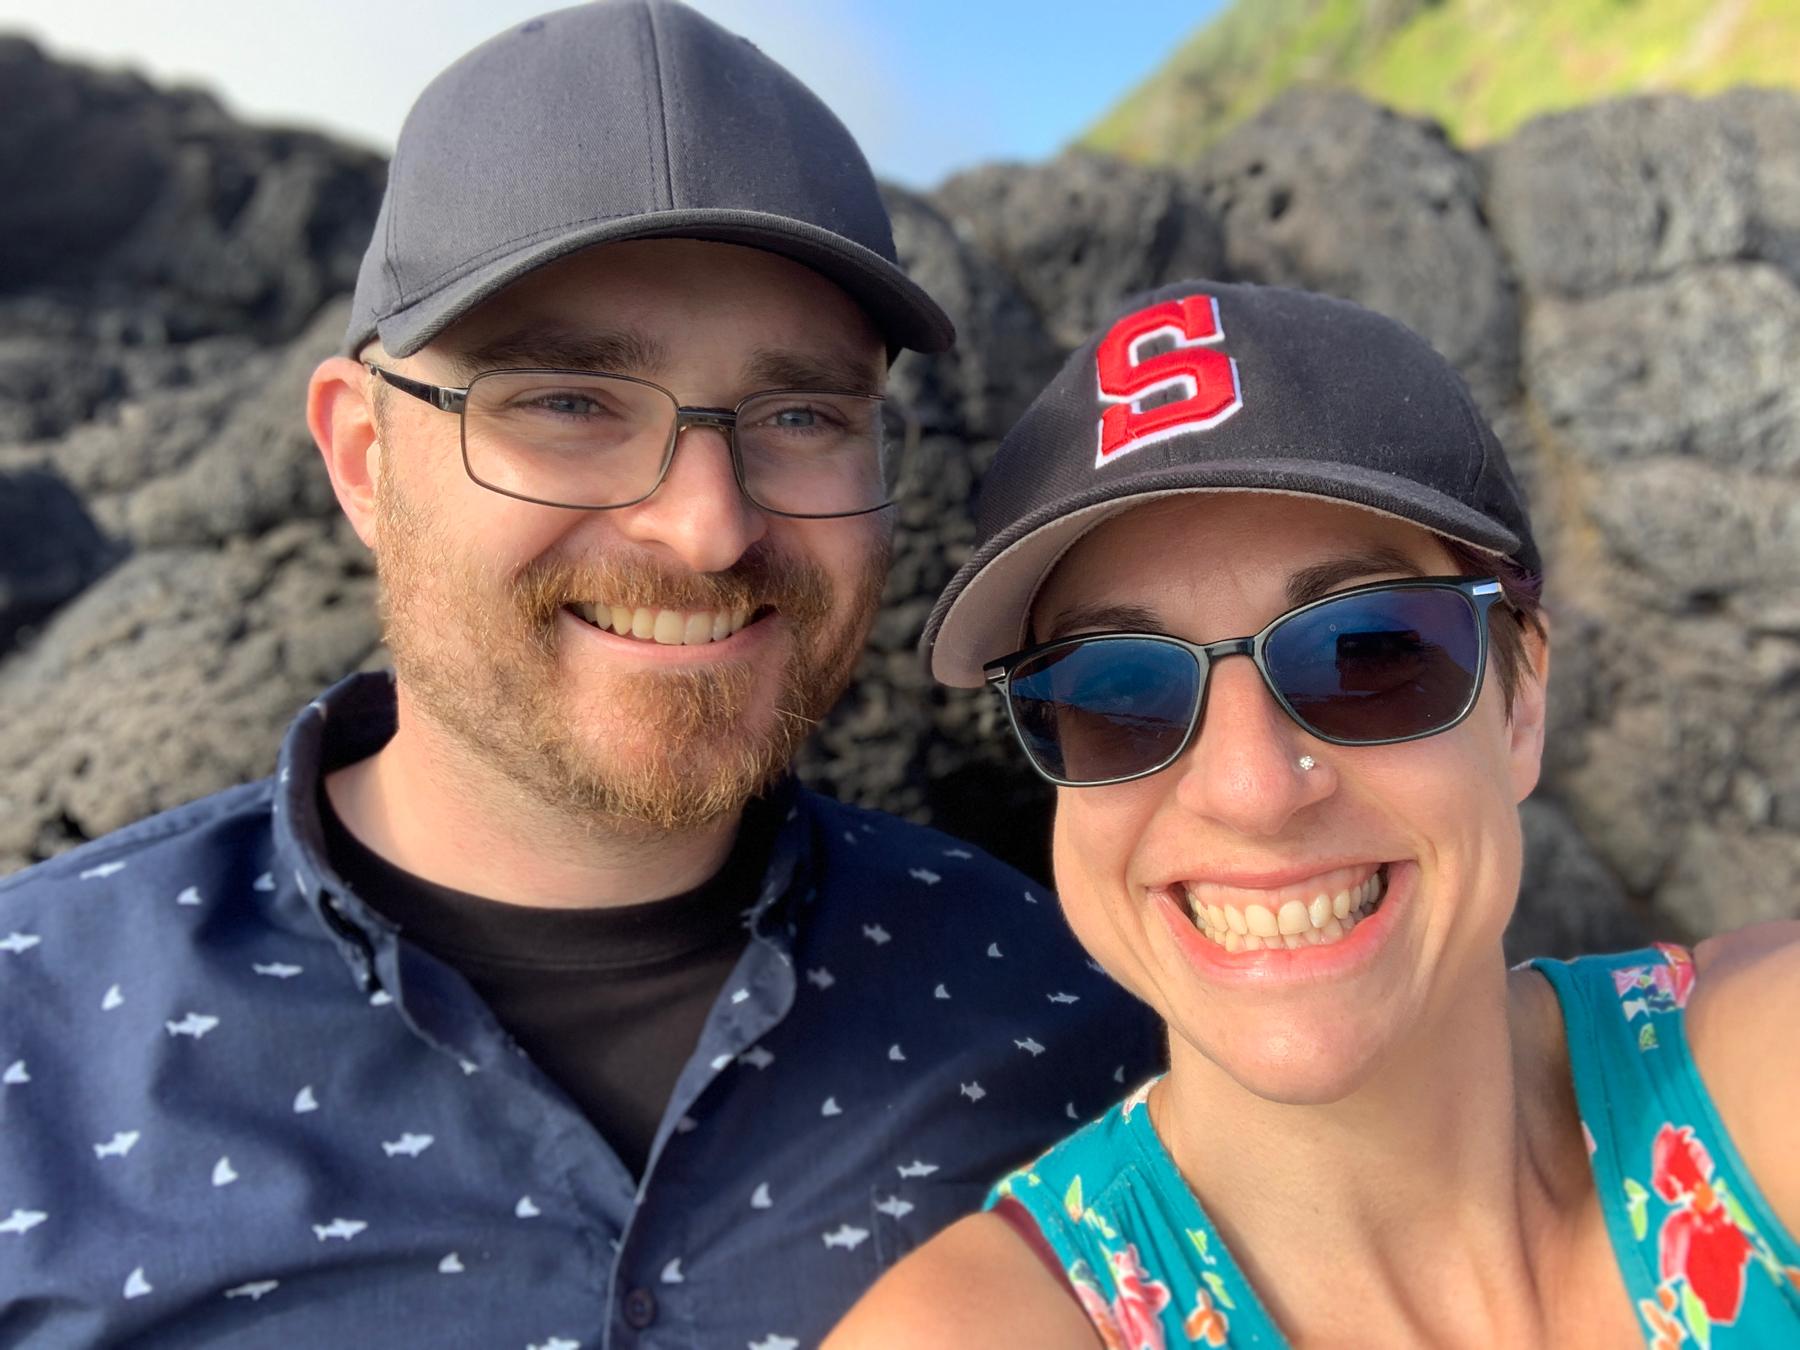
1698,1241
1140,1300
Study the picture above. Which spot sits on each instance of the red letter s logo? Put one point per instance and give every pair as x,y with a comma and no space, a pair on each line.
1203,378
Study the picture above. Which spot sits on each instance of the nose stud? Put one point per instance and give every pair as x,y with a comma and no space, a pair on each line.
1306,763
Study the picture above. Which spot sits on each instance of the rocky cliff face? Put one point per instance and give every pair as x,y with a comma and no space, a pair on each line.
1621,285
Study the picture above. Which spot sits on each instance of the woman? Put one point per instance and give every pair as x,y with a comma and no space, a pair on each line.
1371,1132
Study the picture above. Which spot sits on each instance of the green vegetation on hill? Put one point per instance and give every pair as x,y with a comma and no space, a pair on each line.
1480,67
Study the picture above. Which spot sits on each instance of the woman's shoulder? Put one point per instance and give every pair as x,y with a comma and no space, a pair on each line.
976,1284
1744,1031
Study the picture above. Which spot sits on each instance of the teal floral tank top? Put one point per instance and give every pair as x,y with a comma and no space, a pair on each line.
1705,1259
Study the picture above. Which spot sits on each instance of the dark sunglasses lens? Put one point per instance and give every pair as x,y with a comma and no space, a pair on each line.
1105,709
1380,666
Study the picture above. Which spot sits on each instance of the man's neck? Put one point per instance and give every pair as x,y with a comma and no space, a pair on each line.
429,807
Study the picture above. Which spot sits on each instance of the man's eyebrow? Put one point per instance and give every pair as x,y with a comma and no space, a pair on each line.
1321,579
1100,619
772,368
616,352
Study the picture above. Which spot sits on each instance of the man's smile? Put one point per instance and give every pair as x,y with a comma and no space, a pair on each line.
668,627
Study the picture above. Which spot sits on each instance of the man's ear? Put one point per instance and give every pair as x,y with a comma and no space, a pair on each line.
1525,728
343,426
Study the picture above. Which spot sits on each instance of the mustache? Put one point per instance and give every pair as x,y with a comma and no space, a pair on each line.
801,590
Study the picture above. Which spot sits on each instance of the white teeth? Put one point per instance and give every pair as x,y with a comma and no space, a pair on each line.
669,627
1295,923
1319,910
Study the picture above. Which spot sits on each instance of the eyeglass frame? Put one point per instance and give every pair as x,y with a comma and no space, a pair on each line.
447,398
1480,593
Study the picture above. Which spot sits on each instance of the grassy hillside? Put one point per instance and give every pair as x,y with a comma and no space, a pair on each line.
1478,66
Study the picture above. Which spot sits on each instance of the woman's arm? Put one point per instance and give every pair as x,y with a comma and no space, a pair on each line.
975,1285
1744,1026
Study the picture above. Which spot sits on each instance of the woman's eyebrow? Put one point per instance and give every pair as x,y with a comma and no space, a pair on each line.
1101,619
1322,578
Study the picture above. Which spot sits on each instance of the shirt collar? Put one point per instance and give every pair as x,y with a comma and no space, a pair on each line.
355,718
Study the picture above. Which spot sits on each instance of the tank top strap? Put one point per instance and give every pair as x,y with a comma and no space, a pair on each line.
1139,1253
1702,1253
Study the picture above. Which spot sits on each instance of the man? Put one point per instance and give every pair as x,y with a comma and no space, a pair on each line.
530,1003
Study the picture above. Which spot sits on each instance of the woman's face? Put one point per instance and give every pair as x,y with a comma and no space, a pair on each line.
1237,824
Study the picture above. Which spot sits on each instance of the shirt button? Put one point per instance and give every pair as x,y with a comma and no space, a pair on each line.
640,1309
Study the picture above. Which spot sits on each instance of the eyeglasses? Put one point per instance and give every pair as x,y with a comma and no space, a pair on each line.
592,442
1374,665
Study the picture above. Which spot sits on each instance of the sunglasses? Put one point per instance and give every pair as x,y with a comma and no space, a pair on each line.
1376,665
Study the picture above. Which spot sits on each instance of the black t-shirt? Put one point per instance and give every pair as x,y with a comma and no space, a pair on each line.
609,1002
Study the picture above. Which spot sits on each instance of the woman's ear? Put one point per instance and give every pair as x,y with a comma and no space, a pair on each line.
343,425
1530,705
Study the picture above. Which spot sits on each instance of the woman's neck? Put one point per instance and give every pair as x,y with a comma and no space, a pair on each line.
1447,1197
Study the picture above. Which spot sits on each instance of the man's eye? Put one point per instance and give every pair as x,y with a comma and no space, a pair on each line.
567,405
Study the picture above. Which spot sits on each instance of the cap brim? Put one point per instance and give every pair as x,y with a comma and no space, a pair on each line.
982,614
905,315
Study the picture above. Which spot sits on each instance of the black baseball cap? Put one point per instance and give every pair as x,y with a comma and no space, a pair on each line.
626,119
1213,387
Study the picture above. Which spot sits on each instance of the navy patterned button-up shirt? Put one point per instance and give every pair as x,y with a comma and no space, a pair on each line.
237,1108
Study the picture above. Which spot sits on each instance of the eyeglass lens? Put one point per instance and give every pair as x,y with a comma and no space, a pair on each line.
596,441
1378,666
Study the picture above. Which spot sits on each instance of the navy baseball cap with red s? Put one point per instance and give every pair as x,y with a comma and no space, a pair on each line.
1216,387
625,119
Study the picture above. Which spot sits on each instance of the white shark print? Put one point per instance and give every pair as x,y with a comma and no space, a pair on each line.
915,1168
958,853
924,874
876,933
686,1125
671,1273
451,1265
721,1062
1030,899
756,1057
831,1108
740,995
1060,997
774,1342
896,1054
136,1286
266,882
194,1024
22,1221
894,1207
380,999
338,1228
16,942
304,1101
254,1290
112,999
122,1142
15,1073
849,837
846,1237
526,1208
1030,1047
102,871
1119,1074
1069,1111
223,1173
279,970
940,992
974,1091
412,1145
191,896
994,950
555,1343
821,977
760,1198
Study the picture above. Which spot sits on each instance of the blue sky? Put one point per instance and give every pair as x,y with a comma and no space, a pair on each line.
927,86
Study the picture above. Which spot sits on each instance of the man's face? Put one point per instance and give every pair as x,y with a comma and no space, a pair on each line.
483,594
